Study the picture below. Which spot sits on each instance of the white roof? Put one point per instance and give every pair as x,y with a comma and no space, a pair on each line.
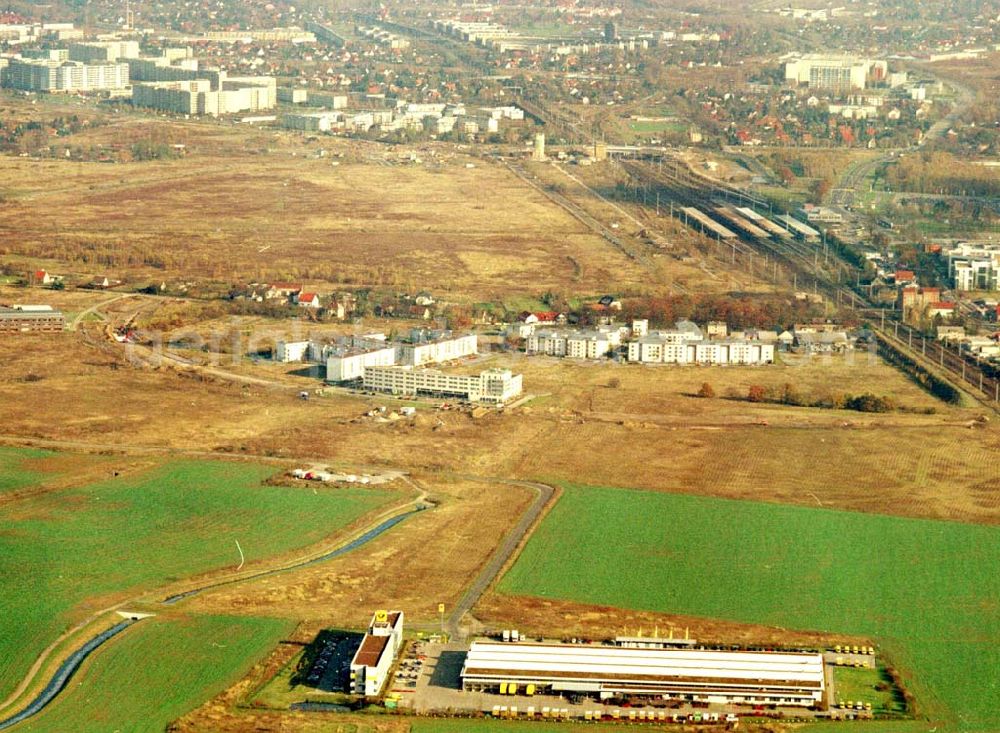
594,662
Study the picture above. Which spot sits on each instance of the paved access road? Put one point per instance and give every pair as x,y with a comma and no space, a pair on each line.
503,553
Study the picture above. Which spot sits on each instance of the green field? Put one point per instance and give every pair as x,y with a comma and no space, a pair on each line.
157,671
650,126
861,684
928,591
16,471
75,547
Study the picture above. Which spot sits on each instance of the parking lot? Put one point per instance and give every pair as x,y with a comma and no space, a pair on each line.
327,666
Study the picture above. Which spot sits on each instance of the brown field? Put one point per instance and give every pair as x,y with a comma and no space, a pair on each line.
477,233
538,616
222,214
649,432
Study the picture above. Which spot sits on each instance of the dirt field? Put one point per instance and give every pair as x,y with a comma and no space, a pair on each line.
538,616
282,212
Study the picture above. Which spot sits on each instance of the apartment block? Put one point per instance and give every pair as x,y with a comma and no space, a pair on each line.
580,344
65,76
974,266
493,386
418,352
106,51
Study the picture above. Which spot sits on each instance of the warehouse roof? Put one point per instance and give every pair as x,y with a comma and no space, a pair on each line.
597,662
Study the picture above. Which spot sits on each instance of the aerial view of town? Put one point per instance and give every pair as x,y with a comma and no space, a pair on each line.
391,366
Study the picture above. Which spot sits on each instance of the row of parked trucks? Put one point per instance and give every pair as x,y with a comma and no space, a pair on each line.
551,713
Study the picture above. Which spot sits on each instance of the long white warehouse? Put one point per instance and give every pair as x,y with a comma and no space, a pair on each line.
755,678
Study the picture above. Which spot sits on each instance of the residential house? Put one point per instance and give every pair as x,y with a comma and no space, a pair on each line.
283,291
41,277
527,321
308,300
941,308
822,342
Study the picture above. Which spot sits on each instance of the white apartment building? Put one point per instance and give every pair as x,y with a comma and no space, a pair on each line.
445,348
47,75
313,121
175,64
493,386
974,266
288,351
201,97
193,97
658,350
106,51
262,35
582,344
350,364
685,344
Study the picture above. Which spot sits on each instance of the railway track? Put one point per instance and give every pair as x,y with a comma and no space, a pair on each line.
828,276
576,211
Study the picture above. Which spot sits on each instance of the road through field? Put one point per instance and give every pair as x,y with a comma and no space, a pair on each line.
95,309
503,554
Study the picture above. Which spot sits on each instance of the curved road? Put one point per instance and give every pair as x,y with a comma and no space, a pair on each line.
503,553
95,309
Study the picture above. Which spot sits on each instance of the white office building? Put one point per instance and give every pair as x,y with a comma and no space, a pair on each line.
372,663
841,74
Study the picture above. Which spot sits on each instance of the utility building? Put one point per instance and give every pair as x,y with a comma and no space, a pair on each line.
693,675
